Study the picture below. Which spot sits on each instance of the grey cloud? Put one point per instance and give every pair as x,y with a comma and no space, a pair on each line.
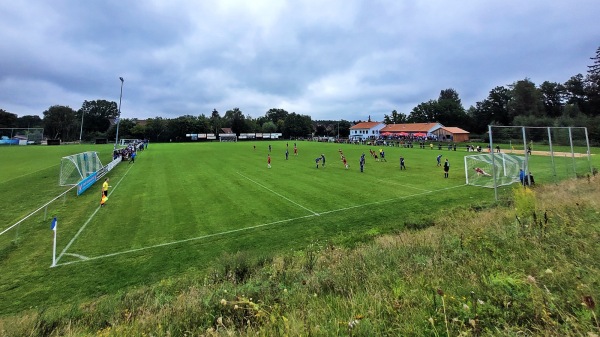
330,60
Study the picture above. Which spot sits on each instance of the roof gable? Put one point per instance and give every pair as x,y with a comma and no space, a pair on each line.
365,125
453,129
412,127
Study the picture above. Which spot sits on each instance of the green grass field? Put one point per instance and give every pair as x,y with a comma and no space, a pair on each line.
182,207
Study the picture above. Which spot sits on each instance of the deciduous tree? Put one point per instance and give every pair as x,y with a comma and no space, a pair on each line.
60,123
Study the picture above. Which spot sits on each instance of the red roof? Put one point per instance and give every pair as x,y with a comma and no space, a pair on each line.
411,127
454,130
365,125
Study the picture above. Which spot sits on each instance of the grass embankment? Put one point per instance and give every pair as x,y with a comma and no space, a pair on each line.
527,268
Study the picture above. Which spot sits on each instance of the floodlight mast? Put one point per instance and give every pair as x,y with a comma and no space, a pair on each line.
81,131
119,114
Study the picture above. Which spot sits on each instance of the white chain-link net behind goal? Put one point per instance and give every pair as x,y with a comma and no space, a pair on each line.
479,169
78,166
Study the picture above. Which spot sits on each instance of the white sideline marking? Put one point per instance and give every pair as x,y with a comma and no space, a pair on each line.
397,184
26,174
89,219
190,239
78,256
249,228
389,200
270,190
37,210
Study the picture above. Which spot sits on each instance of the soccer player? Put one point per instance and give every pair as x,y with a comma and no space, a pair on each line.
323,158
362,162
295,150
133,154
345,162
269,160
446,168
286,154
105,187
439,160
402,167
317,160
480,171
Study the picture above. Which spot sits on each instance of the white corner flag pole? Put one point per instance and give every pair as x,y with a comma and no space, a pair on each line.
53,227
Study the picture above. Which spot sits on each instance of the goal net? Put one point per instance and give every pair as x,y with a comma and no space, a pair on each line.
76,167
22,136
228,137
480,169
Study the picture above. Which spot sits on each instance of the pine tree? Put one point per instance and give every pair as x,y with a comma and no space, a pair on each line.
593,85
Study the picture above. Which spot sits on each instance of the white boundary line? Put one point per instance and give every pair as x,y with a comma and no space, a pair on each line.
37,210
249,228
187,240
89,219
78,256
26,174
397,184
270,190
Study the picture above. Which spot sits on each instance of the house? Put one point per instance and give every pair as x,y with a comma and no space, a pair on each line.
366,130
452,134
410,129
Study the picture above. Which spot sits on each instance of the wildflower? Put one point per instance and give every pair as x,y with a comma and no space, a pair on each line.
548,271
285,290
431,320
223,301
236,307
480,302
353,323
465,307
531,279
220,320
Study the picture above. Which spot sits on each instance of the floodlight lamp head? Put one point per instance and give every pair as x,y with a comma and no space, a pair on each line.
121,78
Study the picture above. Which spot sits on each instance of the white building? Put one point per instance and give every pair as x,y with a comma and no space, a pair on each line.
366,130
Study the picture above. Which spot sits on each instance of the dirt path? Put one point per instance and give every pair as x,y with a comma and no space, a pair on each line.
547,153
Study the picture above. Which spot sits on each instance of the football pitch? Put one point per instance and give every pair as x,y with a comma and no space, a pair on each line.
182,207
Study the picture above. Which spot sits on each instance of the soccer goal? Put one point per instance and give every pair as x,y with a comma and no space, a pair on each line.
485,170
76,167
551,153
228,137
22,136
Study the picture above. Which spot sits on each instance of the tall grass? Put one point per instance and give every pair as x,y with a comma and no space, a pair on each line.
529,267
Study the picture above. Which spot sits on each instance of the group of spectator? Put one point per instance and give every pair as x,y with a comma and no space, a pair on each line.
130,151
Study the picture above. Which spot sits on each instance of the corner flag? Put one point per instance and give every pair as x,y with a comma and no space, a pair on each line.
53,228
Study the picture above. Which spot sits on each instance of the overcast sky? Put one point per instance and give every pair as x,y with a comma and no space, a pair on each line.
329,59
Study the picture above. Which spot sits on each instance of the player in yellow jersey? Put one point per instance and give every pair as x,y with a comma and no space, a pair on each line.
105,187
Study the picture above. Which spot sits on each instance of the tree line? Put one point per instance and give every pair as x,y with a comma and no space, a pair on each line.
575,102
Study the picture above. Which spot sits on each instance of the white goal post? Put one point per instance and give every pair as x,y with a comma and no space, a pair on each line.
562,136
22,136
228,137
76,167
